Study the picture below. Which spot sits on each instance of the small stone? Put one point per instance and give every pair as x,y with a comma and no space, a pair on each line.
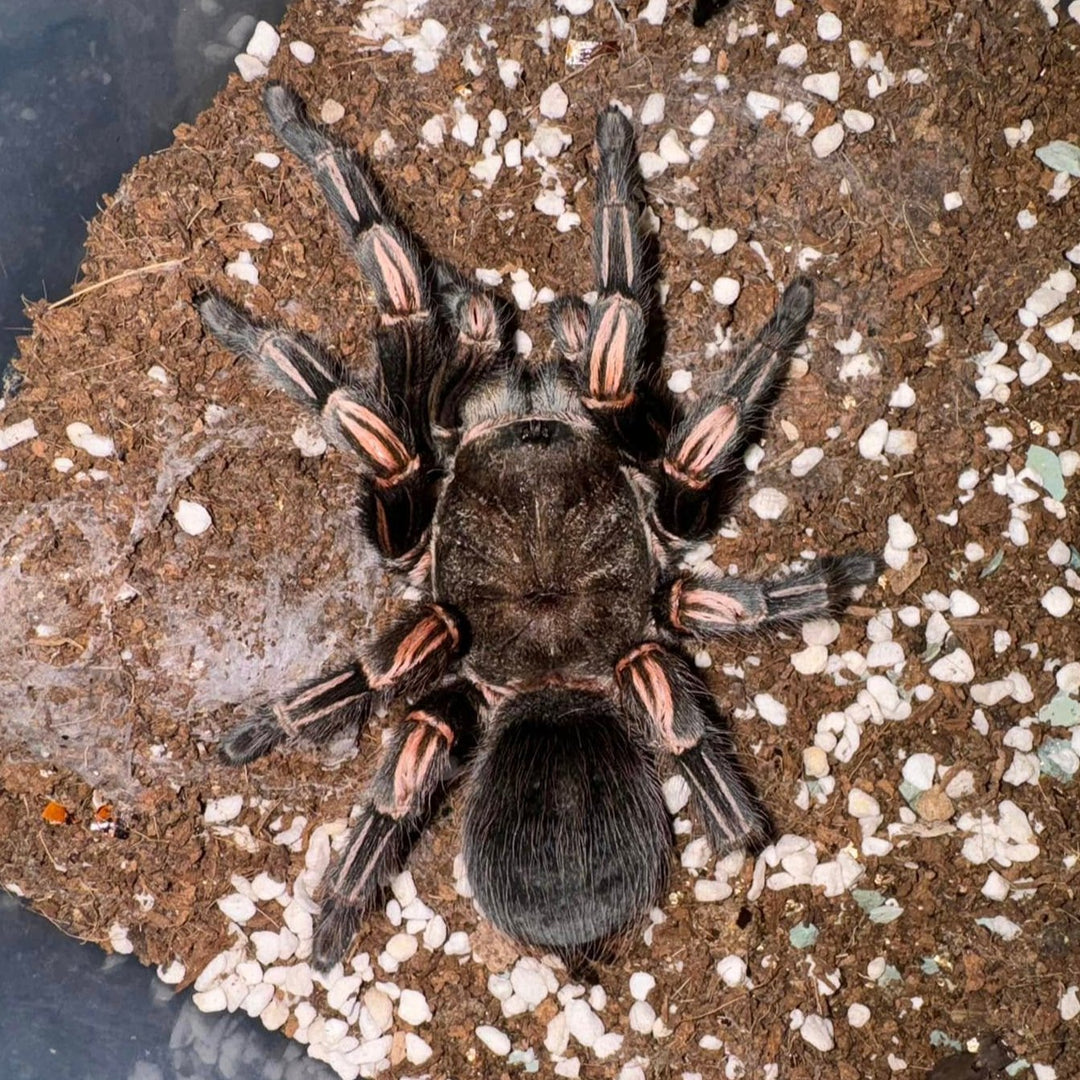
732,970
768,503
872,440
857,1015
726,291
554,102
827,140
955,667
331,111
84,438
236,907
192,517
919,771
402,947
250,67
652,110
857,121
413,1008
1057,601
816,1029
770,710
824,84
302,51
829,26
793,55
862,805
952,200
808,459
934,805
672,150
760,105
225,809
815,762
641,985
962,605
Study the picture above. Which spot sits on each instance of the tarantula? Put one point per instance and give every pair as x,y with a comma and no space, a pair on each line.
542,510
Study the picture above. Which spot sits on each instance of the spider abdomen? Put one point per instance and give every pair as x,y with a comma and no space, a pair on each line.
567,840
540,543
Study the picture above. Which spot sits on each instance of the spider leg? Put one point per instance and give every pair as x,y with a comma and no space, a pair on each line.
408,335
396,501
708,606
482,325
704,451
424,753
609,343
662,693
408,657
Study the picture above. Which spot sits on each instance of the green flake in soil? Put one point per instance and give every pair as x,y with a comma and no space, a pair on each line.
1015,1068
803,936
1047,467
1059,760
1061,156
910,792
992,566
930,966
889,975
889,912
940,1039
1074,558
1060,711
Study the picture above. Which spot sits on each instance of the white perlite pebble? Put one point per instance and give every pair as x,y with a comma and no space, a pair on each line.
723,240
760,105
243,268
258,232
703,123
14,434
236,907
1026,220
172,974
952,200
652,110
302,51
84,438
641,985
402,947
642,1017
962,605
220,811
726,291
554,102
857,121
920,770
413,1008
672,150
498,1042
1069,1004
824,84
768,503
676,793
815,762
827,140
417,1052
816,1029
792,56
732,970
654,12
250,67
862,805
582,1023
996,887
955,667
770,710
1057,601
858,1014
810,661
264,42
331,111
192,517
808,459
872,440
266,159
829,26
903,397
680,381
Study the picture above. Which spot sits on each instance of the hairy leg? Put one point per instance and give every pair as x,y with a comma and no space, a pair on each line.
707,605
421,759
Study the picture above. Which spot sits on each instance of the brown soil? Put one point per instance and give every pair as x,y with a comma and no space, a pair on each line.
126,697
